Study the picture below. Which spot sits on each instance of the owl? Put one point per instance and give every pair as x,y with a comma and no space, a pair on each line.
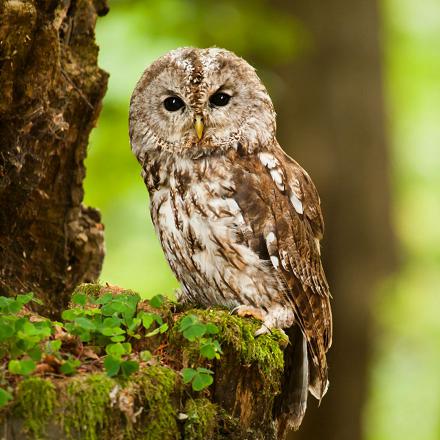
239,221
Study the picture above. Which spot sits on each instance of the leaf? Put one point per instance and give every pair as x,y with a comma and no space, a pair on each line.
104,299
69,315
194,331
201,381
35,353
23,367
117,350
145,355
4,302
43,328
112,331
161,329
53,345
112,366
208,350
127,347
5,397
85,323
24,299
6,330
112,321
187,321
135,323
211,328
119,306
84,336
117,338
157,301
79,298
129,367
188,374
70,366
149,318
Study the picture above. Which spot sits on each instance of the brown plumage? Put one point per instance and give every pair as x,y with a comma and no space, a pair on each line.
239,220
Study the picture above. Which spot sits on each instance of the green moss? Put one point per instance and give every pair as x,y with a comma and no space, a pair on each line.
265,351
201,422
92,290
155,386
35,403
87,410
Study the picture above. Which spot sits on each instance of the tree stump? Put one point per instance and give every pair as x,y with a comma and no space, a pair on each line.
154,403
50,96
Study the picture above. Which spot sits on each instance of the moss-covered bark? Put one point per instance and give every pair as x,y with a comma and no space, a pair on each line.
154,403
50,95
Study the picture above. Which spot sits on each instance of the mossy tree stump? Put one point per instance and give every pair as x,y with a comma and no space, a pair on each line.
154,403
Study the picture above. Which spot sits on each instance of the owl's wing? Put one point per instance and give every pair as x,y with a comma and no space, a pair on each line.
281,206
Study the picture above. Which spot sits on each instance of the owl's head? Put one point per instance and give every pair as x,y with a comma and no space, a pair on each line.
199,100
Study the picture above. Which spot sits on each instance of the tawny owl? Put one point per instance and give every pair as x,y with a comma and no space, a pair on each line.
239,221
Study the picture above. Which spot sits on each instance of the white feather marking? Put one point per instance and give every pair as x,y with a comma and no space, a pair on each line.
285,260
318,246
277,178
270,238
275,261
268,160
296,202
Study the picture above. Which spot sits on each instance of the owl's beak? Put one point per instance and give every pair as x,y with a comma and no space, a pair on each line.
198,125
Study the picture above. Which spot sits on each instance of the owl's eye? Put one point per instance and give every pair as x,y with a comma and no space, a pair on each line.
219,99
173,103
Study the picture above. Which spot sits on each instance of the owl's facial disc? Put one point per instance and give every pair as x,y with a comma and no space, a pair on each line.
205,98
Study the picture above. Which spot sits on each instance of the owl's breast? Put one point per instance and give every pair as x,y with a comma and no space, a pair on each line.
203,235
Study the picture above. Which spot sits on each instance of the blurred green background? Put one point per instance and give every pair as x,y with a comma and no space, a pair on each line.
403,380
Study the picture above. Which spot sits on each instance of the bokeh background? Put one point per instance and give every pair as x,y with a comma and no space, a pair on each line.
356,84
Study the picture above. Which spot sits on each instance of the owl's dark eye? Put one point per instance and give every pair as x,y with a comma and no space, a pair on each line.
173,103
219,99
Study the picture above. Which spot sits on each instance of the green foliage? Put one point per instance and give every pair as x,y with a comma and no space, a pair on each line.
20,339
108,321
70,366
5,397
200,378
111,321
200,334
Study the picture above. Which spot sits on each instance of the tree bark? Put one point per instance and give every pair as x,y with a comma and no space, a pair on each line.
331,119
51,92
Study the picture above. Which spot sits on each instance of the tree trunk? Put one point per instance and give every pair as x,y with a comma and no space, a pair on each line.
331,120
51,92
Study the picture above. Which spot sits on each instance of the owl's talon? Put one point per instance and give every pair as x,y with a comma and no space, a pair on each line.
245,311
262,330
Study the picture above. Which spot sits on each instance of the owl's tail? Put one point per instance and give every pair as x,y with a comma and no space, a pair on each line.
290,406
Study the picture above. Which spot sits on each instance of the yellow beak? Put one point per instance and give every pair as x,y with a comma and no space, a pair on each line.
198,125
